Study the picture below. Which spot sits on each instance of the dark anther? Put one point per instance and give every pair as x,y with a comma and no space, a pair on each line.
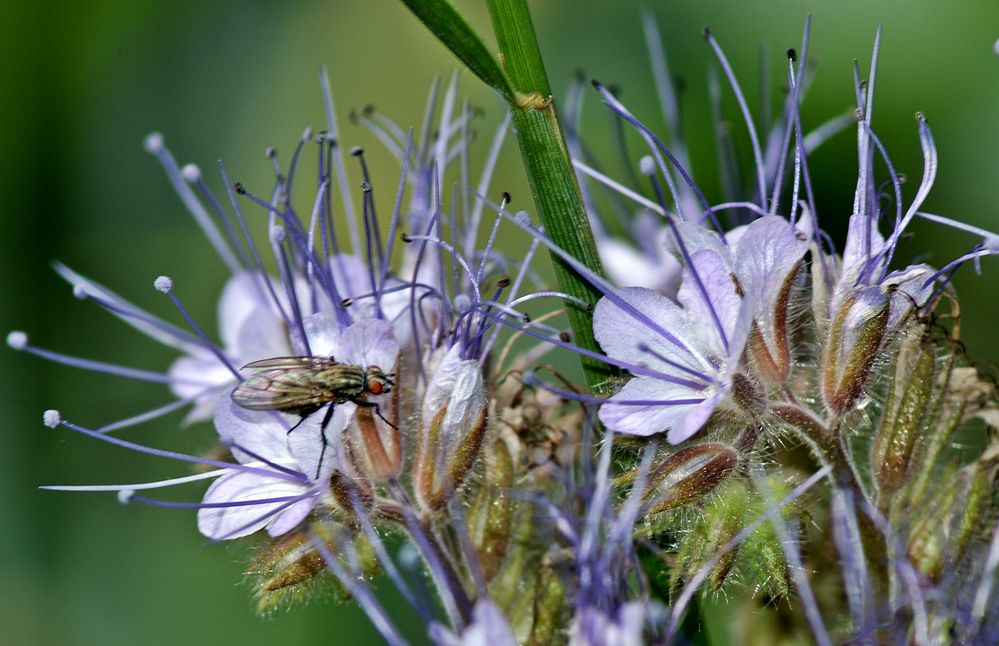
564,336
589,308
792,55
365,187
239,188
705,33
368,110
506,197
270,153
503,283
356,151
346,302
526,318
405,237
333,142
597,84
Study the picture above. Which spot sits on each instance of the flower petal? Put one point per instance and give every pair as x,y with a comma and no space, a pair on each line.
224,523
716,304
367,343
318,459
623,335
261,433
683,418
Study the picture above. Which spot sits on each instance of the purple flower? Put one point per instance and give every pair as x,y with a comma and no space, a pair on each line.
684,354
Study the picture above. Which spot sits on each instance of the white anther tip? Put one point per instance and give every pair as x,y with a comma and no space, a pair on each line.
647,165
51,418
191,172
153,142
163,284
17,340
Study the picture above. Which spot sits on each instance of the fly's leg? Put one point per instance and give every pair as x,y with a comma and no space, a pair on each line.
363,404
322,435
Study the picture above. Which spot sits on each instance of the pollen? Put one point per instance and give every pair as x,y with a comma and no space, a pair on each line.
163,284
51,418
17,340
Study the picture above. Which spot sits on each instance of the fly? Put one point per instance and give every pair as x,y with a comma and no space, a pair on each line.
303,385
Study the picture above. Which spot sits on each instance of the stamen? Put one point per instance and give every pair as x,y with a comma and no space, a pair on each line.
140,448
154,144
130,489
165,285
19,341
360,591
51,418
153,327
338,162
754,138
250,244
153,414
611,293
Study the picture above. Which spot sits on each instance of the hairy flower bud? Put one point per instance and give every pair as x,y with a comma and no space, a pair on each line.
906,404
852,346
452,424
489,518
940,538
689,474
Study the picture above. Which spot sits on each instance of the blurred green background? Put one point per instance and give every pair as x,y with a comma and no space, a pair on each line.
84,82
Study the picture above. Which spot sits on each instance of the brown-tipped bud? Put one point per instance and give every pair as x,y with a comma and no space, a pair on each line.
689,474
852,347
452,425
490,517
769,345
940,538
288,561
902,423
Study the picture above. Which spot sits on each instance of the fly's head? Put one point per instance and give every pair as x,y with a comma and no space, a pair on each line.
377,382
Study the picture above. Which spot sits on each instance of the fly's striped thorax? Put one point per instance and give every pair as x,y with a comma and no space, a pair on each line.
344,381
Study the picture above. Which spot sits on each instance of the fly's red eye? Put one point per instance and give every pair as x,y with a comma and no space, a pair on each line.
375,387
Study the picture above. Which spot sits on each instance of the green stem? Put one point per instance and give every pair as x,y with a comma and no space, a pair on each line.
519,76
549,170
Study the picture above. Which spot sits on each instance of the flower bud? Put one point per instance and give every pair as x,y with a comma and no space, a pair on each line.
689,474
851,347
489,518
289,569
452,424
906,404
940,538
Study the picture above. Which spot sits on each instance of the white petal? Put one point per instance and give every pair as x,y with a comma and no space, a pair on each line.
717,303
682,420
465,406
695,238
241,299
624,336
442,382
367,343
323,332
262,433
196,374
223,523
630,267
306,441
764,258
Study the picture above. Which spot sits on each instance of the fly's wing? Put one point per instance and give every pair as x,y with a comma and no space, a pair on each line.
286,384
